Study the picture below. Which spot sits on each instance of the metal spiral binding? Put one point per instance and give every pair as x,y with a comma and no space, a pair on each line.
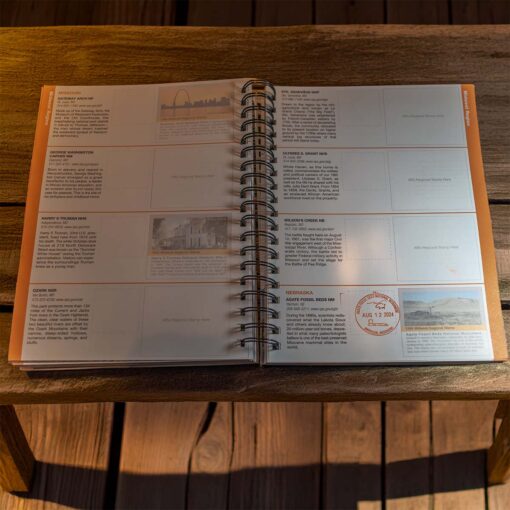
257,191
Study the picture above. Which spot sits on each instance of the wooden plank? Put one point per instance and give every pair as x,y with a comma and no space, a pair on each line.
88,12
11,228
461,433
252,383
334,55
133,12
157,443
223,455
220,13
276,461
16,458
501,233
6,14
352,455
502,410
329,12
498,495
480,11
280,13
494,11
71,444
417,11
408,456
465,12
30,13
211,457
498,456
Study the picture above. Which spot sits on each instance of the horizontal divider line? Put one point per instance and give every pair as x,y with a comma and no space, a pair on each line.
492,201
219,142
151,211
372,213
382,148
137,283
378,284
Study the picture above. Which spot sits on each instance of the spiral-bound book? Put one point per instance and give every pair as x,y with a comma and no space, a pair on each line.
236,221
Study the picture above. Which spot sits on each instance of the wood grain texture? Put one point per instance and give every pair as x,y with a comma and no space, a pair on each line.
71,444
408,456
461,433
321,55
418,11
503,409
252,383
199,455
11,229
329,12
480,11
133,12
352,450
32,13
283,12
87,12
211,458
498,494
276,460
157,443
16,458
500,215
465,12
494,11
498,456
210,13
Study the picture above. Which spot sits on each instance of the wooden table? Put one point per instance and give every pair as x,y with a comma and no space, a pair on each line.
333,55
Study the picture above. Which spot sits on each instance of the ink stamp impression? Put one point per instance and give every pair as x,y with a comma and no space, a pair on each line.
377,314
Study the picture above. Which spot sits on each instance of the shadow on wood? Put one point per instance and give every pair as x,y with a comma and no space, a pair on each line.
353,480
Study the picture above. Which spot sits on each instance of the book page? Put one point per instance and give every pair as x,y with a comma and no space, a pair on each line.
136,230
380,258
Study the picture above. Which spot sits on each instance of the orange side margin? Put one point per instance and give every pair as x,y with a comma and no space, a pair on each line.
30,225
490,274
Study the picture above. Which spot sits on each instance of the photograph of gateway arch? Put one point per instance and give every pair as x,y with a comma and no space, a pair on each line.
187,102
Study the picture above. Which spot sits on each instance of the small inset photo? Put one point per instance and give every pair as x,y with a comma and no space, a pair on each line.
200,234
189,102
442,308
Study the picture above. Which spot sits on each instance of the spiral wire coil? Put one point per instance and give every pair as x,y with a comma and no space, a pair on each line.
257,186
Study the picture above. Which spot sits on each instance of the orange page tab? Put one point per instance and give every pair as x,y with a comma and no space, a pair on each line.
30,226
484,224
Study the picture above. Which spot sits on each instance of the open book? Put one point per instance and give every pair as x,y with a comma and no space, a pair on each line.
240,222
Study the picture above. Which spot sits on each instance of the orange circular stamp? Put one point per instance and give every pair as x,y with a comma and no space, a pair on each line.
377,314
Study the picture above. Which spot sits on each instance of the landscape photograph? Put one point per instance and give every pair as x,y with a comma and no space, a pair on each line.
439,307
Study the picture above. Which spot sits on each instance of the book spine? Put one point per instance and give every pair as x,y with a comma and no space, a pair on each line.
260,214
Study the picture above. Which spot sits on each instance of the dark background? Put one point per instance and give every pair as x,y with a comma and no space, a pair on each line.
250,12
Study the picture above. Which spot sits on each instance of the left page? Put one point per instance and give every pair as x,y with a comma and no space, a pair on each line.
131,243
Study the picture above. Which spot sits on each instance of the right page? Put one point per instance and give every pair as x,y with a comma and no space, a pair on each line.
385,243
